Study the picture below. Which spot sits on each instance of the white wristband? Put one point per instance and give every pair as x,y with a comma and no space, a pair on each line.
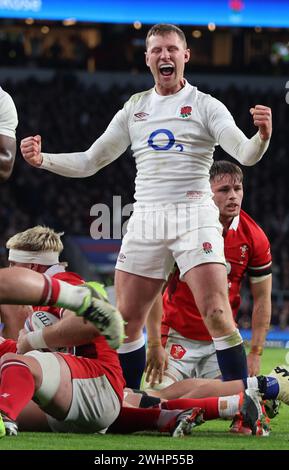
36,340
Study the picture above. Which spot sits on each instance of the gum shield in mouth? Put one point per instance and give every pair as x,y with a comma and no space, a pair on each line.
166,70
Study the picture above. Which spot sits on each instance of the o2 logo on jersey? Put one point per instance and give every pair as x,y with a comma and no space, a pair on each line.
168,145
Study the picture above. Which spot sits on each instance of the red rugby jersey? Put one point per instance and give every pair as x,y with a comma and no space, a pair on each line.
247,249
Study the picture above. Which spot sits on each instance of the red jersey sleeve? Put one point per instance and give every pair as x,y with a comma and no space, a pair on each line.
260,262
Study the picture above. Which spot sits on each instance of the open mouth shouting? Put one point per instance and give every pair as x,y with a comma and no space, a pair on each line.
166,70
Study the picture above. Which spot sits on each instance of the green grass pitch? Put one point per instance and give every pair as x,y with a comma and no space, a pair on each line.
209,436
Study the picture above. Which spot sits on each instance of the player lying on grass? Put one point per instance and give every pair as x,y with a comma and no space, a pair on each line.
65,389
14,366
44,377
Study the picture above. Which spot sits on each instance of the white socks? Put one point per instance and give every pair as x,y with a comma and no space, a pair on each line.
228,406
132,346
229,341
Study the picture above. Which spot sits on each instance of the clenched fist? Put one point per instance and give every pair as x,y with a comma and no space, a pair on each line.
31,150
263,119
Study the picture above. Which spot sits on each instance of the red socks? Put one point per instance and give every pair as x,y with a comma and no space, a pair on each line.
135,419
144,419
210,405
16,387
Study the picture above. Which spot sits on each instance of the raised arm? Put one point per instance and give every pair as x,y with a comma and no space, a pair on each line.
249,151
222,126
107,148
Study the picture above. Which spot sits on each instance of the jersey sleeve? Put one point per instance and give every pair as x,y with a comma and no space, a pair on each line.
8,115
218,117
228,135
107,148
260,263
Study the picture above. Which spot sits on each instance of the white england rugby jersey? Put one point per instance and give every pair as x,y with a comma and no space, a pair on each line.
8,115
172,139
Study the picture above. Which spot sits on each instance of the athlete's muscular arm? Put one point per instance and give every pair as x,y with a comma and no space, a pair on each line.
107,148
157,357
246,151
222,126
261,318
69,331
7,156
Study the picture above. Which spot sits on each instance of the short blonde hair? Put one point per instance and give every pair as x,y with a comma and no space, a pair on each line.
37,238
162,29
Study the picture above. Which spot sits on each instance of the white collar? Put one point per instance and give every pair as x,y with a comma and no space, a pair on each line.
56,268
235,223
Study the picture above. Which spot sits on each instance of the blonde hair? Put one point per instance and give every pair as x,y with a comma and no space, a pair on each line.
37,238
162,29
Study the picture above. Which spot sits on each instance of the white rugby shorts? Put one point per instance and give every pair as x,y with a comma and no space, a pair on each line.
188,234
94,407
190,358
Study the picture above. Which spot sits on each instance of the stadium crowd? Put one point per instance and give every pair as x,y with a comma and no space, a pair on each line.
121,47
31,197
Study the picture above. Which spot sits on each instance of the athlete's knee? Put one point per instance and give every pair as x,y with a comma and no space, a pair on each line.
50,371
134,324
217,314
215,305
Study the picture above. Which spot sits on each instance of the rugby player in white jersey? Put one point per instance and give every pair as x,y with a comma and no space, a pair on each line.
8,124
173,129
